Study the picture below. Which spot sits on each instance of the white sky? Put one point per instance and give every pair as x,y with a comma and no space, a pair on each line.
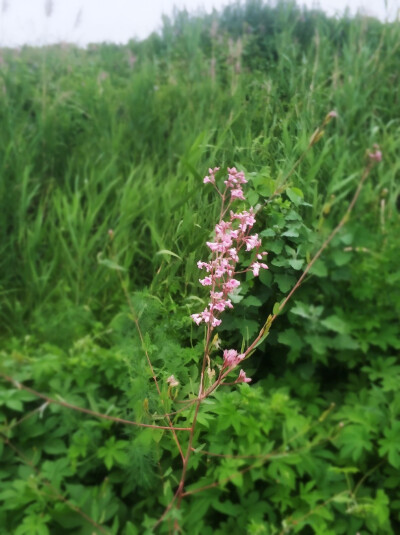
88,21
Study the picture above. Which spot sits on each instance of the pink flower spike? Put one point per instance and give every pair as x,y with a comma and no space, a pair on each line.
242,378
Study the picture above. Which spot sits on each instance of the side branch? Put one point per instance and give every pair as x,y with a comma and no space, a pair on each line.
88,411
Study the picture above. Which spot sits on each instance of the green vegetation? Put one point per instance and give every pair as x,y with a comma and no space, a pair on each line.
103,152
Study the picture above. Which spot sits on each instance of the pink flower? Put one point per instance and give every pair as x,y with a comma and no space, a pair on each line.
206,316
231,285
377,155
215,322
252,242
221,305
237,194
232,358
233,254
235,176
197,318
242,378
216,295
255,266
207,281
211,177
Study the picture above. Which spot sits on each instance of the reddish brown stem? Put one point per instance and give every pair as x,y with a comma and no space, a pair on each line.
88,411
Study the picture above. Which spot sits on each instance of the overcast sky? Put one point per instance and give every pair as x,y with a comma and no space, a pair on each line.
39,22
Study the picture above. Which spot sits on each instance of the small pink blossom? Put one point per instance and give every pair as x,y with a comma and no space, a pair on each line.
232,358
221,305
206,316
246,219
235,176
252,242
242,378
256,266
207,281
231,285
211,177
376,156
237,194
197,318
234,254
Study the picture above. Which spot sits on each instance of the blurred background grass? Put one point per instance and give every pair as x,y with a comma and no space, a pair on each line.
118,137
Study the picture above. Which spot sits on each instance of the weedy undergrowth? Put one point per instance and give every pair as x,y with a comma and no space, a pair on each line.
180,406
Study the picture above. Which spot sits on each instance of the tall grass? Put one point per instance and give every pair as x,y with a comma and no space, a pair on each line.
92,140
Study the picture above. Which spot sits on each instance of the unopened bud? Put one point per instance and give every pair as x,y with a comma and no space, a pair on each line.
172,381
376,156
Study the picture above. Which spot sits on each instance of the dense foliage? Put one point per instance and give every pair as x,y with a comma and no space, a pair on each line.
103,153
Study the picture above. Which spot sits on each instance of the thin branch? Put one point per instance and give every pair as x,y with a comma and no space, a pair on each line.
373,158
88,411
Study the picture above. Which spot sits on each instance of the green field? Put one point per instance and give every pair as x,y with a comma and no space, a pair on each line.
104,216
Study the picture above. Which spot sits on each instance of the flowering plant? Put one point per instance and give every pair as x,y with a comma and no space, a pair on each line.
232,235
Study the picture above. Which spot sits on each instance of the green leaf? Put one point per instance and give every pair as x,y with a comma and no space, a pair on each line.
341,257
168,253
296,263
285,282
110,264
55,446
334,323
319,269
390,445
252,300
295,195
275,309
